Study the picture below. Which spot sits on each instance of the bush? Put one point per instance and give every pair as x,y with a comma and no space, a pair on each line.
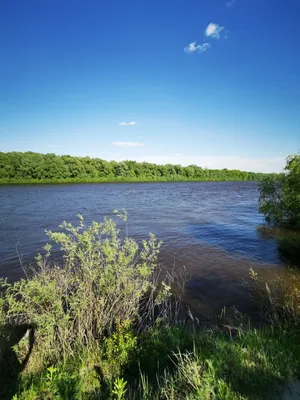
280,197
104,282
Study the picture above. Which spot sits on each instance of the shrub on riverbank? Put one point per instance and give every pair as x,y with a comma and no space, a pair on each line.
280,196
104,282
101,326
280,203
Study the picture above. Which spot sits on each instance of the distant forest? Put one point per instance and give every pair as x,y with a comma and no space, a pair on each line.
16,167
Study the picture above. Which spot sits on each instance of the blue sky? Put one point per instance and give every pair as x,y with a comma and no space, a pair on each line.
214,83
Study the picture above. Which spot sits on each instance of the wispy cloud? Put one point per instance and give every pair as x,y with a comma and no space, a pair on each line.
52,146
128,144
213,30
230,3
91,155
178,154
199,48
130,123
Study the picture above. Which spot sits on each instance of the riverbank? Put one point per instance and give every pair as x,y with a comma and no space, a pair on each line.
115,180
103,326
171,363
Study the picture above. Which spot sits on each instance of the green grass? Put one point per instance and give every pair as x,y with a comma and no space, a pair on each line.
175,363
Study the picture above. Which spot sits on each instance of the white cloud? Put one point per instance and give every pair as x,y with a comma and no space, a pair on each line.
52,146
128,144
130,123
230,3
178,154
213,30
200,48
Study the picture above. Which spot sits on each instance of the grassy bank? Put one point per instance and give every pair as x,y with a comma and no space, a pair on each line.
108,180
172,363
103,325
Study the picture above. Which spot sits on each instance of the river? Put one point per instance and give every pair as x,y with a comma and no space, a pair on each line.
208,227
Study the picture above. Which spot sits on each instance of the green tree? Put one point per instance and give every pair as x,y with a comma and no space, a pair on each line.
280,196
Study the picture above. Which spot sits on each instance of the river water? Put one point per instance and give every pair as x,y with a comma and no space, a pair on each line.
211,228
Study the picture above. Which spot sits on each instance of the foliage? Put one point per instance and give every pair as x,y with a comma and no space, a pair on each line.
30,167
105,283
289,247
237,365
280,197
120,388
116,350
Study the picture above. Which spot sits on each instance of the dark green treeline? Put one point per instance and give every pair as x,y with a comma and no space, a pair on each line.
16,167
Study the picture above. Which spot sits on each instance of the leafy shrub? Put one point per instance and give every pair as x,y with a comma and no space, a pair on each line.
104,282
280,197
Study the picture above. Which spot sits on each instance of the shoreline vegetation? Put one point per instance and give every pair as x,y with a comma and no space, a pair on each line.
279,201
36,168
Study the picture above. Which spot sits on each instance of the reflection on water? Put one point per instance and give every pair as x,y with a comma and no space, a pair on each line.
211,228
287,241
217,278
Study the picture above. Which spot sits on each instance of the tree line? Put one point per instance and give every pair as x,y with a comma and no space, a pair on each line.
37,167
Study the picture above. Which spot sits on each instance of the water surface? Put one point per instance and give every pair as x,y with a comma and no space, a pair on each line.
210,227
